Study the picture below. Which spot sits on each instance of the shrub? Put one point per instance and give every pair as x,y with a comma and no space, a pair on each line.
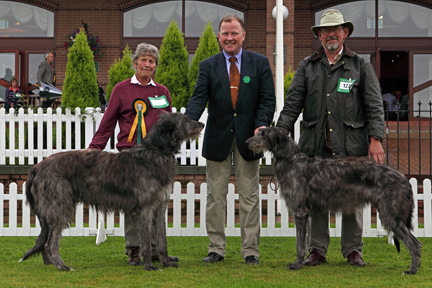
208,46
173,68
120,70
287,80
80,87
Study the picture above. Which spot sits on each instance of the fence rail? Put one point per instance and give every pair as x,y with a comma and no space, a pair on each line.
277,219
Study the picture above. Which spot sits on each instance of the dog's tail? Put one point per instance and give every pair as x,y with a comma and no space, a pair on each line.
29,184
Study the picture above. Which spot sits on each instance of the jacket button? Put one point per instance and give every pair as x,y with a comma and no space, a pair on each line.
329,112
328,94
329,76
331,130
235,114
232,130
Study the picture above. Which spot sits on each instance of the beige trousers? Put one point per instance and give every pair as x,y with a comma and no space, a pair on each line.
247,176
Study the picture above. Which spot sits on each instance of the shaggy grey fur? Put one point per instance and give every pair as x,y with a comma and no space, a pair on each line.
314,184
131,180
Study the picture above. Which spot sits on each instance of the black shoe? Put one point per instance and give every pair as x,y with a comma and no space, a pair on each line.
213,257
133,257
253,260
171,258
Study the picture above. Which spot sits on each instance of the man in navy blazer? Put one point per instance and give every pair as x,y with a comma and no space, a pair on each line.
228,127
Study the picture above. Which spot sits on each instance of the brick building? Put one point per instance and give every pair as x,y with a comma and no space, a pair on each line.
394,35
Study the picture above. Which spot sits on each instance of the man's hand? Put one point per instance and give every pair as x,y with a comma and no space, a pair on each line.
259,128
376,152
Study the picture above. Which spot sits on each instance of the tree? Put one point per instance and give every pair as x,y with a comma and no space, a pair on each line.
287,80
207,47
120,70
80,87
173,68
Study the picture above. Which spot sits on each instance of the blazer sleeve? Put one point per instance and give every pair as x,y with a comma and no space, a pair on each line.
201,93
40,72
267,97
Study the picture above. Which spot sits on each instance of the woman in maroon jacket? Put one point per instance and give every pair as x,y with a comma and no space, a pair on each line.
135,104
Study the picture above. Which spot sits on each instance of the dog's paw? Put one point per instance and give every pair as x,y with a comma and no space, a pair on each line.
409,272
170,264
293,266
65,268
151,268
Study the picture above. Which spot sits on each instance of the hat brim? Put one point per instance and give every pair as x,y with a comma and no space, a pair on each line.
348,24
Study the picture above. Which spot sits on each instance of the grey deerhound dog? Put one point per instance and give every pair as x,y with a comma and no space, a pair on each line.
311,184
130,180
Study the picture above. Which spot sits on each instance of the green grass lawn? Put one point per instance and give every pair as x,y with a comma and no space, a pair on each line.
105,266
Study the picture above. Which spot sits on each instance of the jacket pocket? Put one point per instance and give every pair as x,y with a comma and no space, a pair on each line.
356,141
307,137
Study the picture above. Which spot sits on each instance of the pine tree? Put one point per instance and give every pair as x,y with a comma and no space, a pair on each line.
208,46
80,87
120,70
287,80
173,68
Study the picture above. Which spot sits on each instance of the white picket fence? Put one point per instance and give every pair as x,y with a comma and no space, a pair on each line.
22,127
175,227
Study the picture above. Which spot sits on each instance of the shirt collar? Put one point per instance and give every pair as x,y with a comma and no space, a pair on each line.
238,55
134,80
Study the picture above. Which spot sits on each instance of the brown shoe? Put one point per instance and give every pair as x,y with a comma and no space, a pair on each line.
314,259
133,257
355,259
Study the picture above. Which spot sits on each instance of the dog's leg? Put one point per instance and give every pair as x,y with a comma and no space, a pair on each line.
160,231
146,216
52,248
412,244
301,220
45,256
40,243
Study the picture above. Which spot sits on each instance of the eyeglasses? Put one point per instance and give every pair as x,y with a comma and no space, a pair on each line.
327,31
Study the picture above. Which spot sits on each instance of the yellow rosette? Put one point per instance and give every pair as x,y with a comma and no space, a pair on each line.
141,108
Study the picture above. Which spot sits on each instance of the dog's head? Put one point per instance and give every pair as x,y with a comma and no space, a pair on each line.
169,132
273,139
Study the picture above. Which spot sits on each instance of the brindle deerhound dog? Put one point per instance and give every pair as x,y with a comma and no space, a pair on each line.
344,184
130,180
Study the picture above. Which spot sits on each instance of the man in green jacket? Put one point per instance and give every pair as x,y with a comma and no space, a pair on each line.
343,115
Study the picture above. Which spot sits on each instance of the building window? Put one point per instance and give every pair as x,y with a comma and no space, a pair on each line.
23,20
152,20
395,18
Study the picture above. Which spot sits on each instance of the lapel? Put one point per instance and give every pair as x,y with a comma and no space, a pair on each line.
246,70
221,72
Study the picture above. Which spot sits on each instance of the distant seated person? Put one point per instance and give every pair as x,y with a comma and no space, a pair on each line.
402,105
390,106
45,71
12,95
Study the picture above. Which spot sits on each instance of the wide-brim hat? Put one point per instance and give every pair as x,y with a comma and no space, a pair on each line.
332,17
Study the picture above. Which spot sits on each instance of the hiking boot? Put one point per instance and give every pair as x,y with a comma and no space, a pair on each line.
133,257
